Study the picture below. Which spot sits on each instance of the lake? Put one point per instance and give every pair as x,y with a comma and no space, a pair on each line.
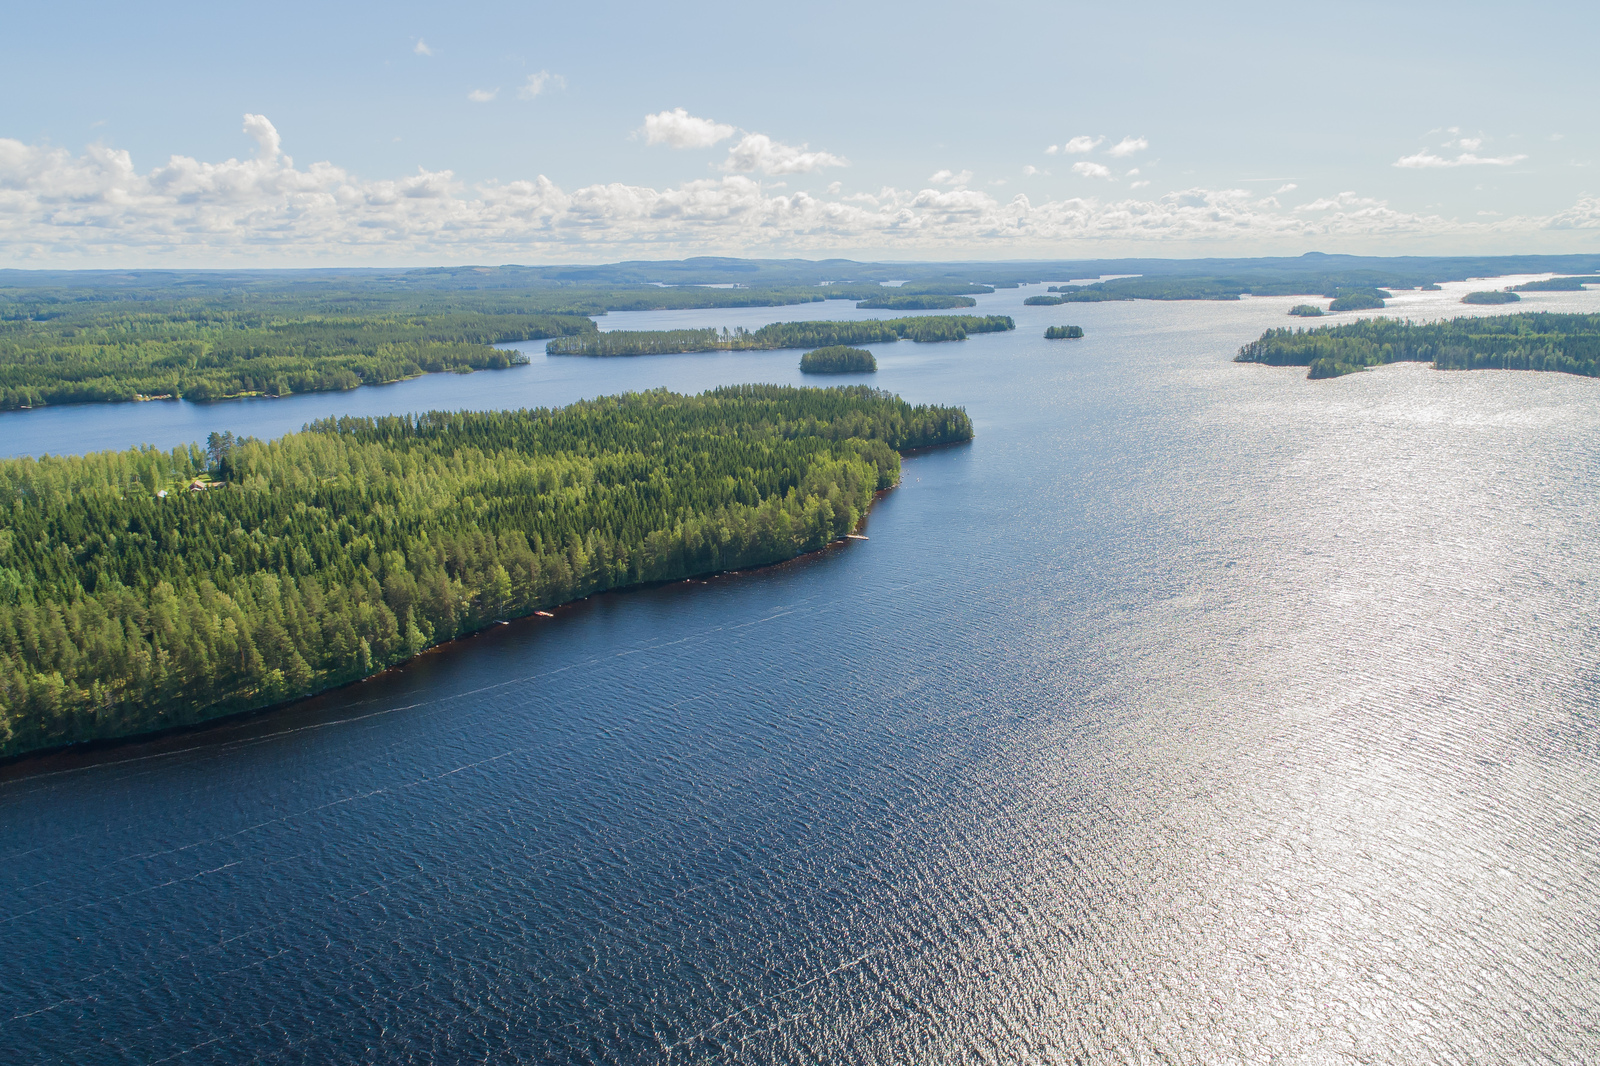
1193,712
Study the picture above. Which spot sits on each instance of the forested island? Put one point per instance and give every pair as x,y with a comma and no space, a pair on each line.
1359,299
821,334
130,601
75,351
1563,343
916,302
1306,311
1056,333
1491,297
838,359
1043,301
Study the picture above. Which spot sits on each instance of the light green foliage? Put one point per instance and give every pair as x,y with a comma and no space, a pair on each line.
328,554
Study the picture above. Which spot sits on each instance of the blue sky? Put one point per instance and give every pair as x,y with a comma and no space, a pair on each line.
302,134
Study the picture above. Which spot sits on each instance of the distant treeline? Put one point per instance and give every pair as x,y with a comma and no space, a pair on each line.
73,351
838,359
779,335
1556,342
914,302
1556,285
326,555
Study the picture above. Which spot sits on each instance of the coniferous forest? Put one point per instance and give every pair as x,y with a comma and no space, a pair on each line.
133,600
778,335
76,351
1566,343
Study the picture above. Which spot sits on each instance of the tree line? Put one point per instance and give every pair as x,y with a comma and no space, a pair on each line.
131,602
925,328
55,351
1564,343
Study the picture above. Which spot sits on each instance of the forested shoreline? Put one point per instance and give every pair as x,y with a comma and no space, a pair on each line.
1563,343
779,335
55,350
327,555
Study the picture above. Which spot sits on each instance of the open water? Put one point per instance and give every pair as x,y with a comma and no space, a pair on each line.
1193,712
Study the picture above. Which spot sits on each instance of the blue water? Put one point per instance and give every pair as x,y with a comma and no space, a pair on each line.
1193,712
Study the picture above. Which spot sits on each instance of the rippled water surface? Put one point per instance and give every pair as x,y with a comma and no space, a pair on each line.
1193,712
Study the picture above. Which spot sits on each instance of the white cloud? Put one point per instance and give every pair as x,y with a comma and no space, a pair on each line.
96,208
265,134
1079,145
422,48
1030,170
1134,173
1091,170
1470,144
482,96
1288,187
757,151
1138,185
946,177
679,129
1052,149
1127,146
539,82
1425,159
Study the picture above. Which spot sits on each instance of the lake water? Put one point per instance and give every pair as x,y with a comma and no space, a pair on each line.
1193,712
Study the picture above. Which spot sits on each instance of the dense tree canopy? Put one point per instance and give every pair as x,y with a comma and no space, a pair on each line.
130,601
917,302
1490,297
779,335
1564,343
1056,333
838,359
72,351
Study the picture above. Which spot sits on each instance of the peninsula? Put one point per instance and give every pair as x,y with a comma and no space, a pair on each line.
131,602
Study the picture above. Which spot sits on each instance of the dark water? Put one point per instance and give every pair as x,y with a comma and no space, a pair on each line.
1192,713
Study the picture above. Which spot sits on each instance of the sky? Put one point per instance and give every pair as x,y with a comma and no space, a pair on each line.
298,134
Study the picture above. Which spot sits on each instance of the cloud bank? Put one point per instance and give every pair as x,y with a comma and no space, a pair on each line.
98,208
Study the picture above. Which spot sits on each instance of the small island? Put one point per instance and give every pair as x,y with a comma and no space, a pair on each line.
838,359
1490,298
1306,311
1358,300
778,335
1042,301
1058,333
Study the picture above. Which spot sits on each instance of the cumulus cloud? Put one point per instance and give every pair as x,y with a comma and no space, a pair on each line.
1425,159
1287,187
1127,146
1079,145
422,48
1091,170
757,151
947,177
539,82
1030,170
97,208
482,96
1138,185
679,129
